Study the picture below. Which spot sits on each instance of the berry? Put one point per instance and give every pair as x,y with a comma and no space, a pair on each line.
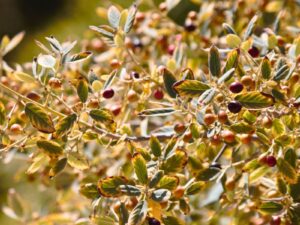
267,122
246,138
171,49
262,159
247,80
209,118
234,107
132,96
189,26
215,140
93,103
54,83
16,128
178,193
222,117
115,109
179,128
158,94
188,137
271,161
115,64
192,15
135,75
228,136
236,87
276,220
254,52
108,93
33,96
153,221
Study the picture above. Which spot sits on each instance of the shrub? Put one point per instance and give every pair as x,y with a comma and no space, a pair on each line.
162,123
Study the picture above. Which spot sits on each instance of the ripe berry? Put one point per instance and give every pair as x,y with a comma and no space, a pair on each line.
228,136
115,64
16,128
108,93
171,49
262,159
187,137
158,94
254,52
222,117
246,138
153,221
54,83
33,96
192,15
234,107
209,118
135,75
236,87
276,220
178,193
115,109
189,26
179,128
215,140
271,161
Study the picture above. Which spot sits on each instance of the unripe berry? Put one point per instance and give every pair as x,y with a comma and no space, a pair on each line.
234,107
178,193
236,87
115,64
262,159
219,98
267,122
246,138
108,93
158,94
209,118
247,80
93,103
132,96
16,128
54,83
254,52
116,207
271,161
33,96
222,116
192,15
188,137
228,136
179,128
171,49
230,184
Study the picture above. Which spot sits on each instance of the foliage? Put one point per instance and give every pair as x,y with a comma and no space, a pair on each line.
161,122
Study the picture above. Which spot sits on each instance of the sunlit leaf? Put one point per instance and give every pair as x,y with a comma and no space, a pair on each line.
255,100
140,168
51,148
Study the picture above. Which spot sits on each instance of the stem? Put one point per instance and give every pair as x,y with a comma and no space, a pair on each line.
90,126
221,152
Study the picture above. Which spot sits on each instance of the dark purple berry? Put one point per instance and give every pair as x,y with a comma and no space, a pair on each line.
236,87
234,107
108,93
276,220
271,161
135,75
158,94
189,26
153,221
254,52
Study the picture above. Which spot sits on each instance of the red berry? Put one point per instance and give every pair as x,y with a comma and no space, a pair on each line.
276,220
108,93
234,107
153,221
115,109
254,52
228,136
271,161
236,87
171,49
158,94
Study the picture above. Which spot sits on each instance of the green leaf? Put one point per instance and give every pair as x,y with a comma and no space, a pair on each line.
249,117
207,96
38,162
278,127
207,174
258,173
232,60
155,146
169,81
294,190
140,168
251,165
161,195
250,27
77,161
270,207
24,77
281,186
83,90
266,68
156,178
16,203
102,115
233,41
51,148
110,80
255,100
170,220
109,187
58,167
168,182
130,18
190,88
195,188
291,157
104,220
89,190
104,30
175,162
113,15
281,73
138,214
157,112
64,125
226,76
79,56
130,190
2,113
241,128
228,29
39,118
214,62
287,171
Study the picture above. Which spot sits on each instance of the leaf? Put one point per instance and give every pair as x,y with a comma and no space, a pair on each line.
291,157
38,162
241,128
65,125
228,29
207,174
278,127
287,171
77,161
39,118
46,61
190,88
232,60
104,220
169,81
105,31
130,18
138,214
281,186
51,148
14,42
294,190
214,62
270,207
207,96
109,81
130,190
109,187
155,146
113,16
156,178
83,90
281,73
79,56
255,100
170,220
2,113
58,167
16,203
266,68
140,168
249,117
157,112
168,182
258,173
226,76
161,195
250,27
24,77
54,43
195,188
233,41
102,115
89,190
176,162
